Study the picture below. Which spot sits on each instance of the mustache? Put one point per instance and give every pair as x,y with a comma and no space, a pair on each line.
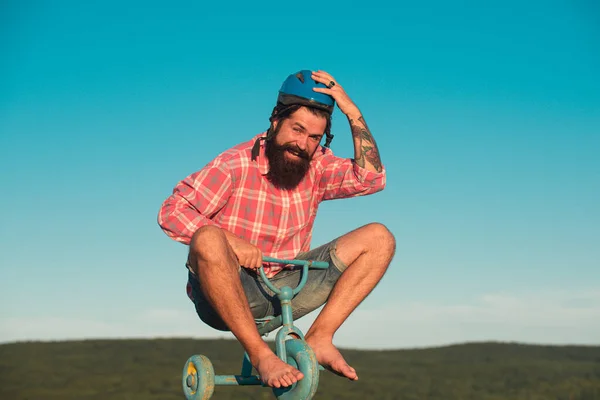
295,150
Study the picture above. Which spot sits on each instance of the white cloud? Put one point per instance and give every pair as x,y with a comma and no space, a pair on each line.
541,317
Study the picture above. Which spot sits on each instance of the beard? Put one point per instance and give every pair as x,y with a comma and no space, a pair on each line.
284,173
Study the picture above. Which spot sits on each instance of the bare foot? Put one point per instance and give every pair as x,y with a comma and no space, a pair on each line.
275,373
330,358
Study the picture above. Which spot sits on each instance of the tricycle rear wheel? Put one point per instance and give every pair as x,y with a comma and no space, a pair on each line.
198,378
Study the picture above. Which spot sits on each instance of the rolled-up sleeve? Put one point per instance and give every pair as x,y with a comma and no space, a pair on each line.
194,200
344,178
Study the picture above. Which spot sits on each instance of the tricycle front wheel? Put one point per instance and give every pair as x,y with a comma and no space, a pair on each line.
300,356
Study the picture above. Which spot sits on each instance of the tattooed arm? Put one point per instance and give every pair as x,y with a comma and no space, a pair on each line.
366,153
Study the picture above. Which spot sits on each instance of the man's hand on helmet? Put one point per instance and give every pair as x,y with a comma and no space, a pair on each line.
335,90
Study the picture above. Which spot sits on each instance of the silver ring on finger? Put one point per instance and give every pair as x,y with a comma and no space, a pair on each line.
331,84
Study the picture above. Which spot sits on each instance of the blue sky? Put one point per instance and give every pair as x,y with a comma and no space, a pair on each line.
487,115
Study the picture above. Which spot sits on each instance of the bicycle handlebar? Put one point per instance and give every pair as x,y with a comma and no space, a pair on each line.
306,264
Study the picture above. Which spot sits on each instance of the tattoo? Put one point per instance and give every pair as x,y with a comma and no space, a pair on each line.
368,152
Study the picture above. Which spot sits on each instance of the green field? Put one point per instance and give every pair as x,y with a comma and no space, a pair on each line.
151,369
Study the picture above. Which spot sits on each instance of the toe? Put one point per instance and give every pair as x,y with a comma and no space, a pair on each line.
286,381
274,383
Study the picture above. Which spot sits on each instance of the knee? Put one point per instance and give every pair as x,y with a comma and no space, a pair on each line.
207,240
381,238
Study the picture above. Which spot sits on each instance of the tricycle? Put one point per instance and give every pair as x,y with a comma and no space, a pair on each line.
199,379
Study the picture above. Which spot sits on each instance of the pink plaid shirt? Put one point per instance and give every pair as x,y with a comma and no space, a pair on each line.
232,192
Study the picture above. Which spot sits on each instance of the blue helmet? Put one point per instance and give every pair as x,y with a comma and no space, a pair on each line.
298,89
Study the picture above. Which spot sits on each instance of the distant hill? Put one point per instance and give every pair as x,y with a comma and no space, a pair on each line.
151,370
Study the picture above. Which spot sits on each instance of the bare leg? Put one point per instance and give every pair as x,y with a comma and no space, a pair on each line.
367,251
216,265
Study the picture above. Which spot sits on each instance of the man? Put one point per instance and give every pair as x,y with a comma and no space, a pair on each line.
261,198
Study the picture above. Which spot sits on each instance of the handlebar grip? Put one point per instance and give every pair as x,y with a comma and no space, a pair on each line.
310,263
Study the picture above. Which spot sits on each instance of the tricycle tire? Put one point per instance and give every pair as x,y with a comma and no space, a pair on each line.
198,378
300,356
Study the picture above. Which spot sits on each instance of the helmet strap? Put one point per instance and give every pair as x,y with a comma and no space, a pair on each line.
269,136
328,139
256,147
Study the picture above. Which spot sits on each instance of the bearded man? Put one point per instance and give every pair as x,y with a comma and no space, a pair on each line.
260,198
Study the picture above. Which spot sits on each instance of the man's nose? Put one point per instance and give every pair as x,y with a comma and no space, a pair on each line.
301,142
